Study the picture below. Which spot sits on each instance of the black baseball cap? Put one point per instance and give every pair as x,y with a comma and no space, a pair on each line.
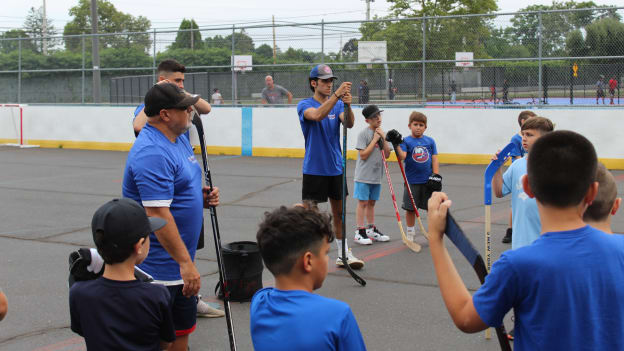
322,72
167,95
371,111
123,222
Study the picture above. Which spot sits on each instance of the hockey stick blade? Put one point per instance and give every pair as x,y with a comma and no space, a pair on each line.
460,240
491,170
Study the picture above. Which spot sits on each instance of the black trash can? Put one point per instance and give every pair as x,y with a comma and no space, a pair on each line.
243,270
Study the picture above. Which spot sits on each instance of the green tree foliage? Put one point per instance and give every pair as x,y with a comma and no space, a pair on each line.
243,44
110,20
604,37
7,46
555,26
33,25
188,39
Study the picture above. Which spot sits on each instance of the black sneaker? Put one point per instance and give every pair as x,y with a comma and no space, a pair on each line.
507,238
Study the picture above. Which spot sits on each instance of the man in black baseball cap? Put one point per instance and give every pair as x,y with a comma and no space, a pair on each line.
168,108
117,311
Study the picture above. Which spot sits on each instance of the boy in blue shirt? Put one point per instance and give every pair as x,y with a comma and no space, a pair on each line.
567,287
517,154
368,174
116,311
606,203
422,168
526,220
294,244
320,117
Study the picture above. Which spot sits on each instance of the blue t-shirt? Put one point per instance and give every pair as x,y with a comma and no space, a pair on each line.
566,290
323,155
525,222
518,151
302,321
160,173
121,315
418,163
141,107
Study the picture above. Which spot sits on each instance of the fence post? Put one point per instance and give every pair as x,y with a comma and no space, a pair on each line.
424,57
539,54
82,83
19,70
323,41
154,78
232,67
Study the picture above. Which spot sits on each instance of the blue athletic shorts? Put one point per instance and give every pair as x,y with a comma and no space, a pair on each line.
183,310
365,191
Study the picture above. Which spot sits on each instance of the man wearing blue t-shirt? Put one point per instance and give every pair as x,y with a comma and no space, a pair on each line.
566,288
320,117
173,72
163,175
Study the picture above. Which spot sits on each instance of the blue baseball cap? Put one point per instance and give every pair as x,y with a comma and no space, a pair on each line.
322,72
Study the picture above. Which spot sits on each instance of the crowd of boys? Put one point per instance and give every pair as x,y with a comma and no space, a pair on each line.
562,203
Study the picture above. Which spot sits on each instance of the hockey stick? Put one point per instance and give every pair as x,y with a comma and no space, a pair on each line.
215,230
412,245
344,207
487,201
409,192
459,238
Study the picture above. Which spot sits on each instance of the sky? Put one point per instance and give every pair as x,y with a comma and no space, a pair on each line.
168,15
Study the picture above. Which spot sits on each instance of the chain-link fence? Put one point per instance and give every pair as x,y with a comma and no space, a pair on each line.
559,57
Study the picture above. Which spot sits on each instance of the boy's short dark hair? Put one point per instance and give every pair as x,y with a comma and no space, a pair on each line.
543,124
170,66
286,233
524,115
601,207
561,167
118,225
417,117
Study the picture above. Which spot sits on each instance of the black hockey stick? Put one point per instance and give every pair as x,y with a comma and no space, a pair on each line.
459,238
215,230
344,206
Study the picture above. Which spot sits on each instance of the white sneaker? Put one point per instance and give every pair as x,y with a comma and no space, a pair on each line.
376,235
208,309
352,261
361,237
410,236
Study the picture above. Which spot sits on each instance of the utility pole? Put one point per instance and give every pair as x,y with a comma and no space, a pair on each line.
368,9
45,30
95,51
274,46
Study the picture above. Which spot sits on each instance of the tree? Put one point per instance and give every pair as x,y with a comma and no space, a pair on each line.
605,38
350,50
110,20
419,8
188,39
243,44
33,25
555,25
7,46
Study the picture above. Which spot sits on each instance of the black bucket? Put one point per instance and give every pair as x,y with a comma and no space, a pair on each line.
243,270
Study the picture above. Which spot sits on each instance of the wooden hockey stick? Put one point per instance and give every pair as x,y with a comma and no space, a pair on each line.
412,245
409,192
460,240
487,201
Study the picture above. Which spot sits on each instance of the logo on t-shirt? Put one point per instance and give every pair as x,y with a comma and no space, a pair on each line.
420,154
331,116
192,159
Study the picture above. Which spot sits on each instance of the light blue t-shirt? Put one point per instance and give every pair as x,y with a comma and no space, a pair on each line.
284,320
518,150
323,155
418,163
566,290
525,223
160,173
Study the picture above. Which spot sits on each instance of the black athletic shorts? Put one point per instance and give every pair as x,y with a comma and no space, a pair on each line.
183,310
600,93
421,195
319,188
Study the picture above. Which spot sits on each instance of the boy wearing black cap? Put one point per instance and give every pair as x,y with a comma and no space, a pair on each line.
320,117
368,175
116,311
